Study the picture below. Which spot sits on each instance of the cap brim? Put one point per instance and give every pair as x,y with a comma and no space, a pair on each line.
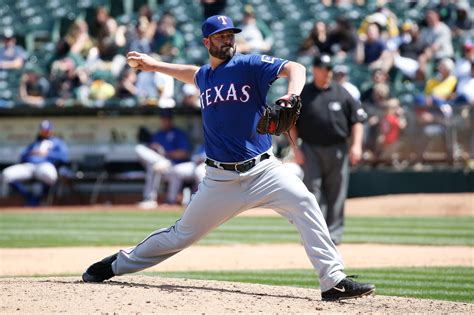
324,65
234,29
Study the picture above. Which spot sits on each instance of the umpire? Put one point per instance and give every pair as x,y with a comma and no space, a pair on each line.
329,118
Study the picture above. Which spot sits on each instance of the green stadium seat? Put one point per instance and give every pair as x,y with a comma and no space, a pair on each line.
138,3
93,3
120,7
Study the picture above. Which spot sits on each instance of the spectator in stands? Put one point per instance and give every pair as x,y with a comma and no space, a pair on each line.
34,88
462,67
316,43
378,76
154,88
439,88
167,149
252,39
39,161
411,47
67,76
431,124
341,77
190,96
98,27
385,19
464,94
463,25
126,85
168,41
140,35
140,39
437,37
100,89
12,56
106,55
212,7
432,109
63,59
145,12
69,86
78,38
391,124
372,49
374,108
342,38
445,9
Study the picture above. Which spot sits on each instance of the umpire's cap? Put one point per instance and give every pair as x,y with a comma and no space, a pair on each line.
323,61
218,23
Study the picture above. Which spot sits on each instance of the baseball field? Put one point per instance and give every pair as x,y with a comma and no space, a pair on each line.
417,249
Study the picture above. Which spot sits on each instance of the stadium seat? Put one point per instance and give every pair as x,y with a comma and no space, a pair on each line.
92,168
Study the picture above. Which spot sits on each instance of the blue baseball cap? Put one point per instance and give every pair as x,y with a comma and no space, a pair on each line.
218,23
166,113
46,125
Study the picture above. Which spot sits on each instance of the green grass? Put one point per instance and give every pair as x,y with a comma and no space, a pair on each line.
440,283
59,228
49,229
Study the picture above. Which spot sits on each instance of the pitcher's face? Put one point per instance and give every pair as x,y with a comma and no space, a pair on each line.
222,45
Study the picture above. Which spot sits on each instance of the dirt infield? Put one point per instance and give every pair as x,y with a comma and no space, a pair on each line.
142,294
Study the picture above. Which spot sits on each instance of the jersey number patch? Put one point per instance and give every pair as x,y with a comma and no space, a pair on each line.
268,59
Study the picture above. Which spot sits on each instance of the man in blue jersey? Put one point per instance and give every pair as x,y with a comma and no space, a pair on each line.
241,171
164,156
39,161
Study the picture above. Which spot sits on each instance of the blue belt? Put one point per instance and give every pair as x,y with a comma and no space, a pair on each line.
238,167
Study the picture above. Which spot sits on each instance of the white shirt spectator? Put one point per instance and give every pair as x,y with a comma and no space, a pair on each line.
352,89
465,88
156,86
340,76
438,36
251,39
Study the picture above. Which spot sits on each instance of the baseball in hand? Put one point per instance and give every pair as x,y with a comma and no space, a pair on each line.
132,63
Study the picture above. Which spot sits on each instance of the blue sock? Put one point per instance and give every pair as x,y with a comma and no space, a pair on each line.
45,190
19,187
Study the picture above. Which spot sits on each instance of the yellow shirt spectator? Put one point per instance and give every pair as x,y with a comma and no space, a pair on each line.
441,88
101,90
387,23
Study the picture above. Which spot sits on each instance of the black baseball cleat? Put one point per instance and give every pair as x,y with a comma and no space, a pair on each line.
100,271
348,289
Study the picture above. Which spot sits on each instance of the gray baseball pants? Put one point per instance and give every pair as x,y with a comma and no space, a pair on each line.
326,174
224,194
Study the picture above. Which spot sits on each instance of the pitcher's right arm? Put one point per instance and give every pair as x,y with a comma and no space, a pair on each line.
183,73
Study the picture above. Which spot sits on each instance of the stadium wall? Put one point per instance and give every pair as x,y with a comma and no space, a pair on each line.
114,133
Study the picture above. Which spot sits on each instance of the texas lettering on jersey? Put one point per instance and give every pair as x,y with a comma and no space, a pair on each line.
234,95
225,93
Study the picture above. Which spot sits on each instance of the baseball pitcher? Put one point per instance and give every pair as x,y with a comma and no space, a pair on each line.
241,171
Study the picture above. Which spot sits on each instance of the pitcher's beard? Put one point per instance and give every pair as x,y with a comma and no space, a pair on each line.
224,53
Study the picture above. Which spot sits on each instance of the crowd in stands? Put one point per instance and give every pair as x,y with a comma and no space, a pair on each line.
418,66
391,63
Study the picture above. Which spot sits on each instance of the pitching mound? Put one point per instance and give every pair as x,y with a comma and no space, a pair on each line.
142,294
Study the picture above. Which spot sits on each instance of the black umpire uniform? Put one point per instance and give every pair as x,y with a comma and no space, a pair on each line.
329,116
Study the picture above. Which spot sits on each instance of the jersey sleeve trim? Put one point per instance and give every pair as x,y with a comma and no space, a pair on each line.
195,78
281,66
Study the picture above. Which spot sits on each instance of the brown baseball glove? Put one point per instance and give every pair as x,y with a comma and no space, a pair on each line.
281,116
